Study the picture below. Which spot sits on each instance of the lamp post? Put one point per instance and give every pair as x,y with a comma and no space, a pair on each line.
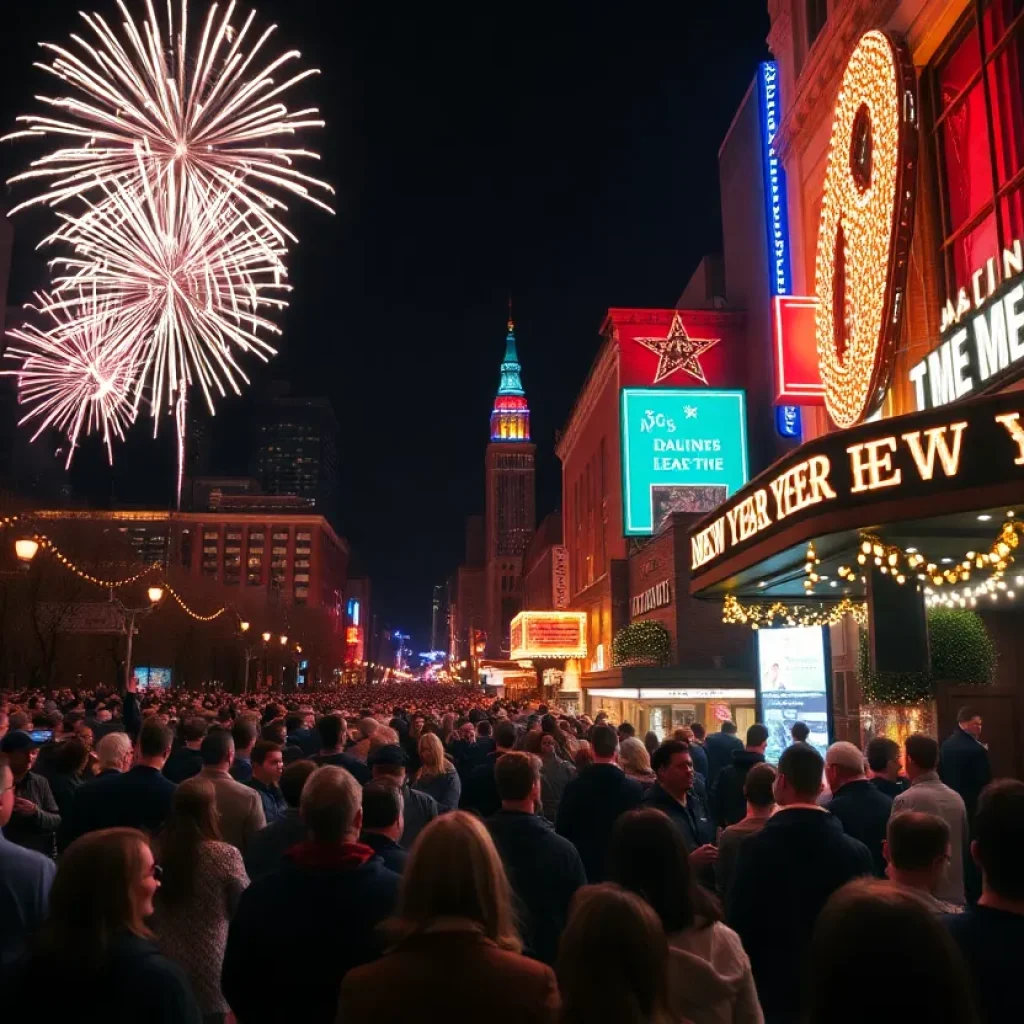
155,595
248,652
266,647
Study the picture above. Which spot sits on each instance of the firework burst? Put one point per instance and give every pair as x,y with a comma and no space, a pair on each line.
71,377
207,117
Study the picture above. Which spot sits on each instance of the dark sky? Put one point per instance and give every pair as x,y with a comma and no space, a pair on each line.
563,150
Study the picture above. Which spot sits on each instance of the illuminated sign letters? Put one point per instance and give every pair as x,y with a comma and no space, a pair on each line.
682,451
552,634
983,336
654,597
925,454
867,218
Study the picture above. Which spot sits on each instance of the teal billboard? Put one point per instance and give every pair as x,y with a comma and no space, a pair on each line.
683,450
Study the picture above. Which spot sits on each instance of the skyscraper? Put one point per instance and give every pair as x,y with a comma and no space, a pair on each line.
298,451
510,513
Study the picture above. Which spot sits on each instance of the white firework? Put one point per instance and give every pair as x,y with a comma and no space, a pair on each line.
206,115
73,376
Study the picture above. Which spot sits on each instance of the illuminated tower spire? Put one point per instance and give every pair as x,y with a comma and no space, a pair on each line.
510,418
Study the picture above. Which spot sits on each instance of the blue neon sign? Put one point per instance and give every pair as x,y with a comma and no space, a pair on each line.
776,215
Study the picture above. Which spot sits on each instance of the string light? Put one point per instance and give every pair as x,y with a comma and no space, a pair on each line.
867,215
758,616
188,611
45,544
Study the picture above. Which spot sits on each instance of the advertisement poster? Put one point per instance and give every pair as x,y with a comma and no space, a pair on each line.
152,678
792,685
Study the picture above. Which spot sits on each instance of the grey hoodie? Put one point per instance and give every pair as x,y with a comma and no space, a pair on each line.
710,981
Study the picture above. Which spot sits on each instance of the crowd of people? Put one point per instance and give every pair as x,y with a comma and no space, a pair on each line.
424,851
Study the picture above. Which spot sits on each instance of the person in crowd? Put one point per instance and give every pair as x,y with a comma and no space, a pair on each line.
544,869
243,734
930,794
916,850
728,804
636,762
593,801
862,808
383,824
301,734
710,979
202,880
799,731
455,908
360,749
906,941
240,807
884,767
266,848
113,754
387,764
275,732
436,775
556,772
332,750
584,755
719,748
447,732
613,961
138,798
479,791
411,741
25,880
991,934
5,724
36,817
67,775
676,796
465,753
963,760
186,760
94,941
784,875
651,741
698,754
267,765
759,792
331,890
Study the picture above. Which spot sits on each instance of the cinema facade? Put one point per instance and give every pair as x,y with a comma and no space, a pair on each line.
902,143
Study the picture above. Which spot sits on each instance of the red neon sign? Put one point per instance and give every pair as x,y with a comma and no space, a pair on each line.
797,373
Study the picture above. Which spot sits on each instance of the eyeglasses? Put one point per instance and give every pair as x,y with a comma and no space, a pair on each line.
157,872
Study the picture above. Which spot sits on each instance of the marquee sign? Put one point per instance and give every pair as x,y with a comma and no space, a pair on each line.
867,219
560,576
949,454
537,634
983,335
682,451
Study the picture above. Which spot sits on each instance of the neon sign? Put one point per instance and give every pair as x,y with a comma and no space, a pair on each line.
867,219
548,635
776,217
976,348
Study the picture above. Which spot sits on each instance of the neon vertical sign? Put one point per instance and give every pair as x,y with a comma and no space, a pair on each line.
776,215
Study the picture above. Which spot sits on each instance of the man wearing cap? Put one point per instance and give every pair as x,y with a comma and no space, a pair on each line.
861,807
388,765
35,818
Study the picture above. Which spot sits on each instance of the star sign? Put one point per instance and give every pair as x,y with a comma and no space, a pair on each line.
691,412
678,351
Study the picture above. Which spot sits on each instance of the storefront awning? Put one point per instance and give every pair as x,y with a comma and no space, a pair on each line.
943,480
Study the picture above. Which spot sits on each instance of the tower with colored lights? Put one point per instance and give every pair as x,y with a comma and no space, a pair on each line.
510,506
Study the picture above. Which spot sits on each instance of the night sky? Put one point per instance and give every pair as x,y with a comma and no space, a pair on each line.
565,152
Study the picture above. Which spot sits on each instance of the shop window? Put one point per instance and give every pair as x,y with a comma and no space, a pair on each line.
817,15
977,83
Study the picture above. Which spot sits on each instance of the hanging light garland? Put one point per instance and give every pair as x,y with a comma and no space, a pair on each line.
759,616
45,544
188,611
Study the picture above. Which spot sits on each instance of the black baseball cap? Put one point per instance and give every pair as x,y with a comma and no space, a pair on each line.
391,754
15,741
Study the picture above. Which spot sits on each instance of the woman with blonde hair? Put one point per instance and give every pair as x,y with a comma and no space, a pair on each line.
437,775
203,879
95,940
636,762
454,908
613,961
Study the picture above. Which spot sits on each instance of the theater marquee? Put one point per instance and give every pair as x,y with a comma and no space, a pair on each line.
548,635
946,460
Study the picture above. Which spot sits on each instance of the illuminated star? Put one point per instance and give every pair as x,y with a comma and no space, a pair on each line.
678,351
691,412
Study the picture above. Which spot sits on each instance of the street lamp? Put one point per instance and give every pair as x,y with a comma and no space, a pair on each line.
243,626
266,638
25,548
283,639
155,594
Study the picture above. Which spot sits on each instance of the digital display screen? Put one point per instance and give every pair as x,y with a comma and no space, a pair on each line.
793,686
152,678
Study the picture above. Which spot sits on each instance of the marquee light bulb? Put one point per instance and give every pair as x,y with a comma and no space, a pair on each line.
867,215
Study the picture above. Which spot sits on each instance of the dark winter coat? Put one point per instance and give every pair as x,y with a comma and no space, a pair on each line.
864,811
139,798
544,870
728,804
184,763
719,747
390,852
964,766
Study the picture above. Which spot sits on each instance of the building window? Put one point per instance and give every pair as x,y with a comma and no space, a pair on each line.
254,560
979,138
817,15
210,545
